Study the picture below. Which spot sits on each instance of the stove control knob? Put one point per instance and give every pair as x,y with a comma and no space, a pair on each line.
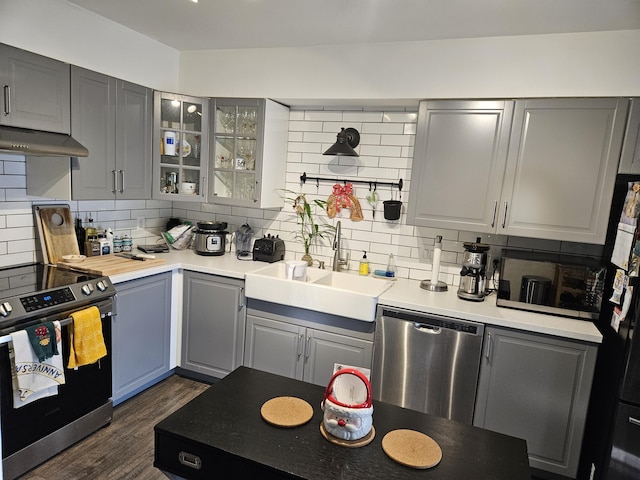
102,286
87,289
5,309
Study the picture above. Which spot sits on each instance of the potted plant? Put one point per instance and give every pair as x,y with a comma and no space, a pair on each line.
309,230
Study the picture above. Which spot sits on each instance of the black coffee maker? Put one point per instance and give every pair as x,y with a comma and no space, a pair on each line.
473,274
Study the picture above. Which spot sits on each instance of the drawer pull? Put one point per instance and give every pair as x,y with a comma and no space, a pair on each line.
190,460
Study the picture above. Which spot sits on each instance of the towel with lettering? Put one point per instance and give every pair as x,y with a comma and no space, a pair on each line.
86,342
31,378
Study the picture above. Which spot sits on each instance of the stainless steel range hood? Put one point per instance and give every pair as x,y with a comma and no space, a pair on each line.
39,143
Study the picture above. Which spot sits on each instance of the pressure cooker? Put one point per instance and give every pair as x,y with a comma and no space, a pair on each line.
210,238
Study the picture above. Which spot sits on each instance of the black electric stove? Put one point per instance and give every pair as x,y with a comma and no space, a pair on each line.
36,290
36,293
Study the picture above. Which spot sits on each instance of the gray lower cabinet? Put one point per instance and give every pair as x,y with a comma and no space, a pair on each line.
303,350
141,331
213,324
537,387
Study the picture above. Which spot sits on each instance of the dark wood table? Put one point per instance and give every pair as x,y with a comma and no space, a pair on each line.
220,434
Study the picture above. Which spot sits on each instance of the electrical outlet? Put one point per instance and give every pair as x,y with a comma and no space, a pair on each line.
140,223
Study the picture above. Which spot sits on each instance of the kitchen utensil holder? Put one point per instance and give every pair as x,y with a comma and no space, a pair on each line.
392,209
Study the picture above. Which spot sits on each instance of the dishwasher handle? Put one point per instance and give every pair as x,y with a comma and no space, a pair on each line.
435,323
426,328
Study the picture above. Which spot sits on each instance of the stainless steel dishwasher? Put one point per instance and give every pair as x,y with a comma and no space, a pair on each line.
428,363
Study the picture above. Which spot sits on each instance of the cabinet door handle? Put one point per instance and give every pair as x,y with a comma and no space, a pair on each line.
121,181
307,348
504,219
634,421
115,181
299,352
255,192
495,212
7,99
488,353
241,304
203,188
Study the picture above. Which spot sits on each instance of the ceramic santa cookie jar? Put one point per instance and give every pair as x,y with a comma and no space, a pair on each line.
347,421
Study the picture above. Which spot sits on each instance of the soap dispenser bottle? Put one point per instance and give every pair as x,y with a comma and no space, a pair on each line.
364,264
391,266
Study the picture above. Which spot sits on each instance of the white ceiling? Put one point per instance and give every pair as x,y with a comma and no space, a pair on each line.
227,24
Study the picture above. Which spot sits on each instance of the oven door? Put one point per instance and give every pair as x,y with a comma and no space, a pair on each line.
85,389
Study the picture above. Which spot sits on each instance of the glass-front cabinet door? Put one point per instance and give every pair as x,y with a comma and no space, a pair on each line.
180,147
249,150
235,147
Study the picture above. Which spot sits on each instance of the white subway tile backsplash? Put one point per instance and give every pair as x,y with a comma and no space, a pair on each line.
14,168
364,117
387,138
17,233
323,116
402,140
381,150
22,220
21,246
401,117
13,181
383,128
306,147
304,126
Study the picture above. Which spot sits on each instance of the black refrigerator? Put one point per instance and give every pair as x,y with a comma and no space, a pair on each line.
611,449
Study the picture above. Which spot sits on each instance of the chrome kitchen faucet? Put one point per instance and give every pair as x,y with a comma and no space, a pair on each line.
337,261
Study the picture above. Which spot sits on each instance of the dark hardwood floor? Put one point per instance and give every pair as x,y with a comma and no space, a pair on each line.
123,449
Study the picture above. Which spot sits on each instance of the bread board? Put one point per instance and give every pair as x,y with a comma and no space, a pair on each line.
107,265
57,232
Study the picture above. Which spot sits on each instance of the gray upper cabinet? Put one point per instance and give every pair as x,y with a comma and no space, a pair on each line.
537,387
542,168
35,91
459,161
630,157
113,119
249,152
561,168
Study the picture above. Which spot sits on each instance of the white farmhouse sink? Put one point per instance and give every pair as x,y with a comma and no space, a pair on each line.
345,294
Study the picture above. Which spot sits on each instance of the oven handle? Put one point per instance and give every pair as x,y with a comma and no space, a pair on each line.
7,338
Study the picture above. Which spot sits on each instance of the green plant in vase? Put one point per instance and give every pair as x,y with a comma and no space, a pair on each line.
309,230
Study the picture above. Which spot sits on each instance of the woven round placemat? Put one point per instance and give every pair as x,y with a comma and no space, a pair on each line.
412,449
286,411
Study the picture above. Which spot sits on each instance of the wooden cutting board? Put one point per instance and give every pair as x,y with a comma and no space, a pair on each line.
57,231
111,265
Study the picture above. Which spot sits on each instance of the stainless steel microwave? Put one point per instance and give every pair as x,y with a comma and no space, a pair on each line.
556,284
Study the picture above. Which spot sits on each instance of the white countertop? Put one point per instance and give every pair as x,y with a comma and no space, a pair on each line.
403,293
408,294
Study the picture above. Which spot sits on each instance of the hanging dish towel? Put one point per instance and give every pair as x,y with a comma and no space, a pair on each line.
31,378
43,340
86,343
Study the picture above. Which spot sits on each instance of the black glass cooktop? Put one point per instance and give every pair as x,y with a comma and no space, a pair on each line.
33,278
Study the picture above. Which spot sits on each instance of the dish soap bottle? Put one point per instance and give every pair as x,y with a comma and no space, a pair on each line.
364,264
391,266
